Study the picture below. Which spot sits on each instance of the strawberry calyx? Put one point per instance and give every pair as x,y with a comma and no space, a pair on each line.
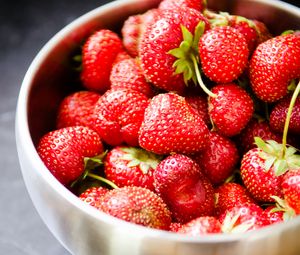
231,224
187,56
282,206
140,157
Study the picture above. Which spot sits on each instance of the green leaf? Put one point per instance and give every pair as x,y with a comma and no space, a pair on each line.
199,31
177,53
280,167
269,163
187,35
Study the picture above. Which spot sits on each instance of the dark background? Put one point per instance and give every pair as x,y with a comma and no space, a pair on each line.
25,26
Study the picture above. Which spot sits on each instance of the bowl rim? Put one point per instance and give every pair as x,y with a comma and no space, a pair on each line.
24,140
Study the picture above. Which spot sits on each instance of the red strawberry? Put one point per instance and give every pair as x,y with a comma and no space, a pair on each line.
229,195
93,195
137,205
133,28
175,226
291,189
273,65
219,158
127,74
159,41
76,109
223,54
201,105
63,151
243,218
118,115
279,113
201,226
231,109
199,5
171,125
98,55
184,188
126,166
263,33
273,215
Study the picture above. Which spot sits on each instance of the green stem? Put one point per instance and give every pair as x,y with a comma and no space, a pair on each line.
100,178
288,118
199,78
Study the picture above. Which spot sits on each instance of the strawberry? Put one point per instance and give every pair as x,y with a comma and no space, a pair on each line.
279,113
126,166
230,109
201,226
159,61
200,104
98,54
291,189
199,5
184,188
175,226
133,28
63,151
137,205
93,195
273,65
118,115
229,195
127,74
263,33
243,218
76,109
171,125
273,215
219,158
223,53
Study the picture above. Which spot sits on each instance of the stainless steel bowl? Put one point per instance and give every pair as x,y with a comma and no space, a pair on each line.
82,229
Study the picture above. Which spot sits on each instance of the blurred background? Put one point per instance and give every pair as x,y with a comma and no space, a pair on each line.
25,26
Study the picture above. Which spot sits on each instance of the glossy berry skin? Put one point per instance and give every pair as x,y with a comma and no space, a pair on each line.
76,109
279,112
201,105
260,183
199,5
273,65
130,166
127,74
137,205
185,189
98,55
291,189
93,195
231,109
223,52
63,151
201,226
171,125
274,216
229,195
219,158
118,115
161,36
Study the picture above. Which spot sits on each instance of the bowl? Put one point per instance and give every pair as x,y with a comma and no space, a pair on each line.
82,229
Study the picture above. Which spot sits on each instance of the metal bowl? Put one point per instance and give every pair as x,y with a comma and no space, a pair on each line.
81,228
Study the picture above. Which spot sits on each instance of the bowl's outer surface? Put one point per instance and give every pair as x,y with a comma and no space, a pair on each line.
82,229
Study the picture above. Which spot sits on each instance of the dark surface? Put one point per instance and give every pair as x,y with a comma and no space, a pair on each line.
25,26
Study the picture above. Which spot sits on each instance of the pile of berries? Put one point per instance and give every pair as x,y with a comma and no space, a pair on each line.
188,121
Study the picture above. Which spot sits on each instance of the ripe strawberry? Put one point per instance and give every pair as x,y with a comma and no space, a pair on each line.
201,105
219,158
76,109
263,33
185,189
126,166
223,53
93,195
201,226
273,215
63,151
118,115
291,189
243,218
133,28
199,5
171,125
229,195
175,226
273,65
127,74
231,109
157,46
279,113
98,55
137,205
